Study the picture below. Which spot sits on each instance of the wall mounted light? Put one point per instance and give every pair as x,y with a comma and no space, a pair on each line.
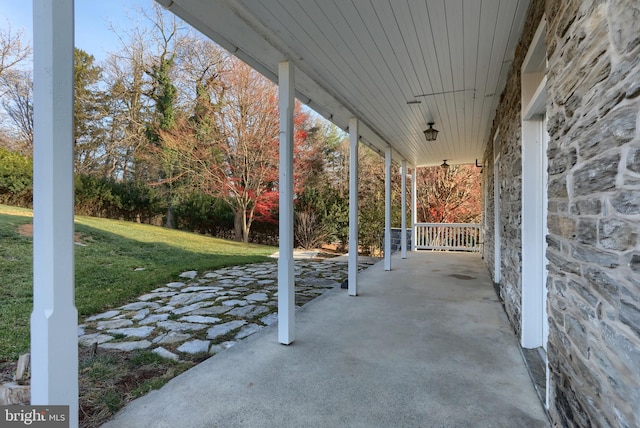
431,134
444,165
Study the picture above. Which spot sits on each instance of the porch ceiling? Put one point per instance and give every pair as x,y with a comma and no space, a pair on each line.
369,58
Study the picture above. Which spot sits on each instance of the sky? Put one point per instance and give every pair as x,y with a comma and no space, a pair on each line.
93,19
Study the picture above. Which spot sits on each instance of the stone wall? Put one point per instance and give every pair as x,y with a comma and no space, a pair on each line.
507,132
396,239
593,48
488,219
593,110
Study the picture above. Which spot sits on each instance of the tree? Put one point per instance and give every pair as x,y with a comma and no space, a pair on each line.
322,208
450,195
166,37
17,101
16,90
233,155
129,111
89,112
13,49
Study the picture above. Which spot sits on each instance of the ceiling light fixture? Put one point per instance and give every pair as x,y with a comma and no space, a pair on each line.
444,165
431,134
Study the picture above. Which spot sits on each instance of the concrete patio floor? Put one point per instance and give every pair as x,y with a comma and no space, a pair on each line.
425,345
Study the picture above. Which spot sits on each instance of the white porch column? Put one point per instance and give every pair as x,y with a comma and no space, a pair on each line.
387,208
354,135
54,320
404,209
414,209
286,295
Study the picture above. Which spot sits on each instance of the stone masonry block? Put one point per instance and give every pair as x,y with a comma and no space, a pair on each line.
626,202
582,290
587,231
603,284
597,176
577,331
630,315
560,164
618,129
589,254
618,234
634,264
633,159
587,207
622,345
624,20
557,187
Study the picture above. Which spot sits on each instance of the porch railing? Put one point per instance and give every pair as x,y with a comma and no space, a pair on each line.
448,236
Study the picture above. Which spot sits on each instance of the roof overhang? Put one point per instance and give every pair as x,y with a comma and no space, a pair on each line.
394,65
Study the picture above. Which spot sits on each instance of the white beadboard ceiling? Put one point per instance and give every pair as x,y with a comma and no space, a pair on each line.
369,58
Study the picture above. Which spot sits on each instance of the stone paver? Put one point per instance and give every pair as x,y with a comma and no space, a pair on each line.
190,274
104,316
248,331
198,313
249,311
171,337
181,326
90,339
153,319
176,284
126,346
140,332
269,319
103,325
165,353
194,346
200,319
222,329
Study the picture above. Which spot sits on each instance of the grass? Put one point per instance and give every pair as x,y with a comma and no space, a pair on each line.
105,271
110,379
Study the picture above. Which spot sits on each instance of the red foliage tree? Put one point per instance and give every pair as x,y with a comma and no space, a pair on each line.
449,195
231,144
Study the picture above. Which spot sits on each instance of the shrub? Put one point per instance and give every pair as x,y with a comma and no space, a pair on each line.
309,233
16,179
137,202
124,200
330,210
204,214
94,196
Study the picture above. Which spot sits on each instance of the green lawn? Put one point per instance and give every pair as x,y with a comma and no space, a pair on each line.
106,273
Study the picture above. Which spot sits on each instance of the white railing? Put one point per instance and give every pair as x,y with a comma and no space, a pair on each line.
448,236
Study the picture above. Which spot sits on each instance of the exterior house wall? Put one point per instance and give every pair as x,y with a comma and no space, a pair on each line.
593,110
506,136
489,241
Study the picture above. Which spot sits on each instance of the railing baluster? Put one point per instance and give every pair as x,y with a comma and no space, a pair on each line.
448,236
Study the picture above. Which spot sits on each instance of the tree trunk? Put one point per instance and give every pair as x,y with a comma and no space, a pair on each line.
241,227
170,221
245,231
238,230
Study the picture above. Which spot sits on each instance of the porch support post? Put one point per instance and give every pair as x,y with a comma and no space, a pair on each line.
54,320
414,209
354,135
403,238
286,295
387,208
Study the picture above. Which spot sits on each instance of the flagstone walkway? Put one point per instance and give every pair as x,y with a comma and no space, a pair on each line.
207,312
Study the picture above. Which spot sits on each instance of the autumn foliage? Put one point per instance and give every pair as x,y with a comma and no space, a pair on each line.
174,130
229,146
449,195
